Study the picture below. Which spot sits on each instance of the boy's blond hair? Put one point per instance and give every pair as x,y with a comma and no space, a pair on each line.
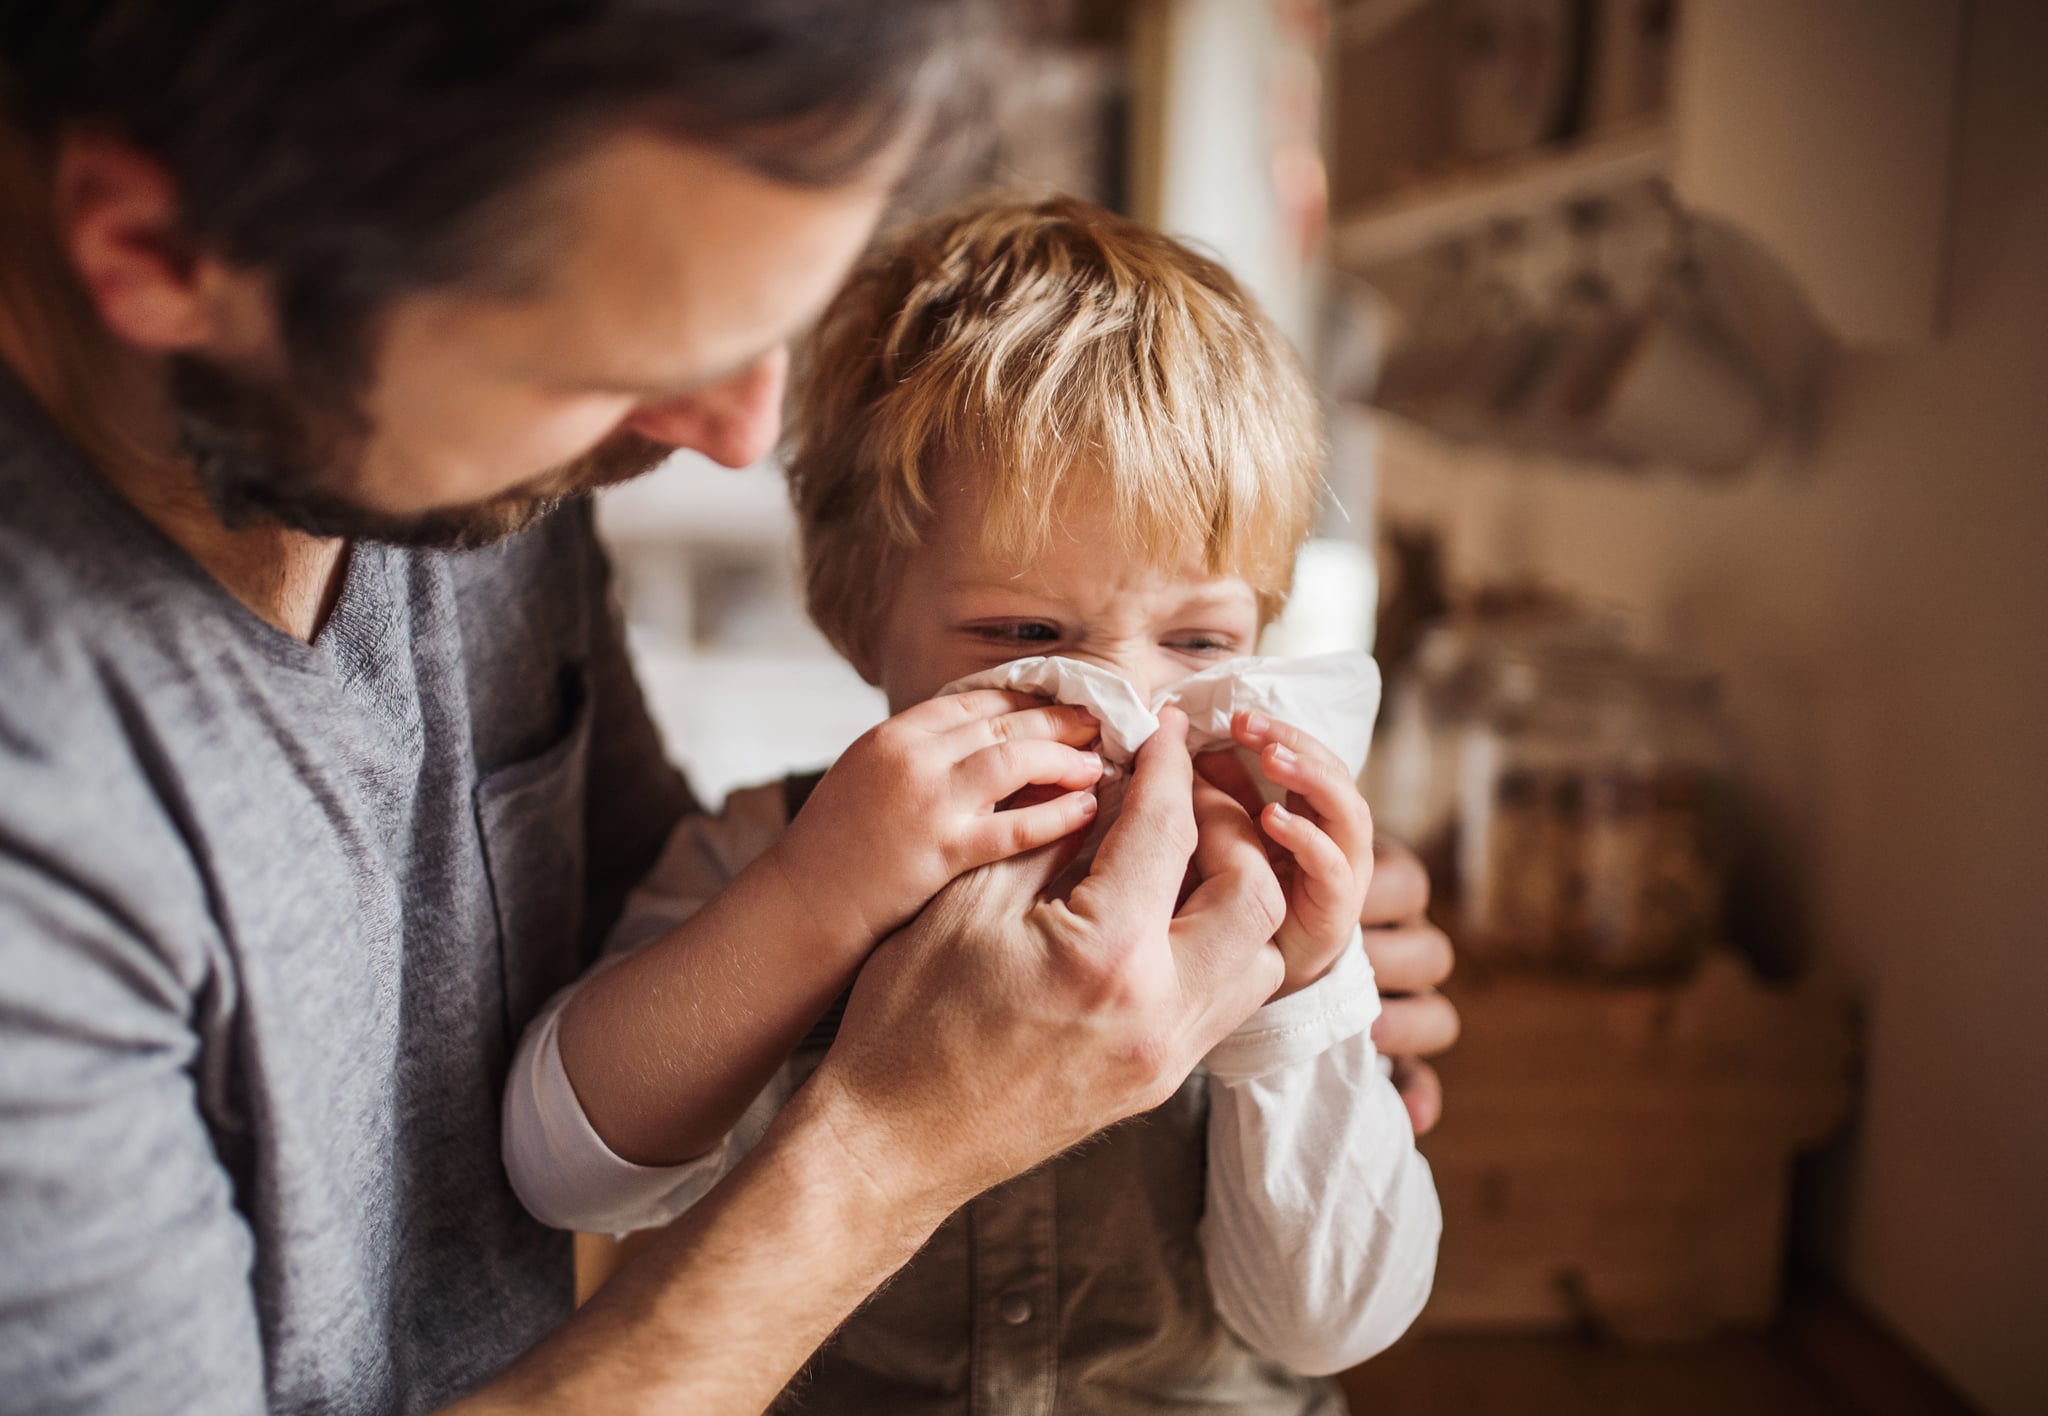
1062,356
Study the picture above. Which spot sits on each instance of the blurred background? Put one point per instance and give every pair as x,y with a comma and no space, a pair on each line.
1687,368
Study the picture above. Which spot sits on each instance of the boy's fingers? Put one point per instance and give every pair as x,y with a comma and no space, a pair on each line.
1009,833
1000,771
951,710
1300,763
1323,783
1054,722
1256,730
991,715
1327,789
1138,871
1326,868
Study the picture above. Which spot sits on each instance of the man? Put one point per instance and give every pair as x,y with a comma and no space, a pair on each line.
317,739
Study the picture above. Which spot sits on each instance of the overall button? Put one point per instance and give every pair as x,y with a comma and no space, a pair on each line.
1015,1309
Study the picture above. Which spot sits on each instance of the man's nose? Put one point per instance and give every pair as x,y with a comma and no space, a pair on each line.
734,422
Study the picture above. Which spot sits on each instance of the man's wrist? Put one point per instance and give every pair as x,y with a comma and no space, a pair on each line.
833,1143
726,1303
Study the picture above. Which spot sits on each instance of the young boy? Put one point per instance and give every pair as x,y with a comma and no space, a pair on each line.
1026,429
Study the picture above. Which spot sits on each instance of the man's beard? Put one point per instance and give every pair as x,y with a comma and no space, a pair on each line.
263,454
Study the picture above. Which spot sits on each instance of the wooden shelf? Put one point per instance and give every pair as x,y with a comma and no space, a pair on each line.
1817,133
1465,204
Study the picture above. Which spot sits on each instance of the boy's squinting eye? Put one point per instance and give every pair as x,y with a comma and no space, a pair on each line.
1015,631
1204,643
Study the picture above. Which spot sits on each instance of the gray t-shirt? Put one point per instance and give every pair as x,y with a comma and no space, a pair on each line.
272,918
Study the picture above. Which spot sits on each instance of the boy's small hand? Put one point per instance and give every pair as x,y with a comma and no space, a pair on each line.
913,804
1323,836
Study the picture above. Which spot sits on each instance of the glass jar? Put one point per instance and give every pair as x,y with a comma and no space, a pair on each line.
1590,795
1685,870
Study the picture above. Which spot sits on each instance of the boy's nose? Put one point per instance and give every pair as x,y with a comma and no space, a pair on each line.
734,422
1130,666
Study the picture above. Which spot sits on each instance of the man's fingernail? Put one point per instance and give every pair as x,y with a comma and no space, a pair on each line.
1088,805
1282,756
1256,722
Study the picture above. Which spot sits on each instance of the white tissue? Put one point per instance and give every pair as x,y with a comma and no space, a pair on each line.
1126,721
1331,697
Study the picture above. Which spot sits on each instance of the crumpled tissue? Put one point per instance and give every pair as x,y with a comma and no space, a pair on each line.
1331,697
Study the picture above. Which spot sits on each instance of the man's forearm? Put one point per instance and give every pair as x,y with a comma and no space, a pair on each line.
719,1312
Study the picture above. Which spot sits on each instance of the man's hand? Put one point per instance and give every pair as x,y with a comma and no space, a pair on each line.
913,803
1001,1027
1411,957
997,1029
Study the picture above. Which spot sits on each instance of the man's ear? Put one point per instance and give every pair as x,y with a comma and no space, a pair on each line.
115,211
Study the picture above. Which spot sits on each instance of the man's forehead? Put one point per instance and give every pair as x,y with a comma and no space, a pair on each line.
672,264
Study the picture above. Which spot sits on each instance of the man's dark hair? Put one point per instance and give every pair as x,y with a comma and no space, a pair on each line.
360,149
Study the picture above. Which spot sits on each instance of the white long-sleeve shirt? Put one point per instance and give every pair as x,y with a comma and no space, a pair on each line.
1321,1221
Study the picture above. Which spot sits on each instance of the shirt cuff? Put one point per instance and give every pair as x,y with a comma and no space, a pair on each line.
1341,1004
562,1169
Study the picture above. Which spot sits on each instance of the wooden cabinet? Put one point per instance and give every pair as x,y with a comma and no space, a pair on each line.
1621,1158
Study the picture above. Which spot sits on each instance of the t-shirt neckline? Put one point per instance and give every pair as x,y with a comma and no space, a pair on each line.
363,612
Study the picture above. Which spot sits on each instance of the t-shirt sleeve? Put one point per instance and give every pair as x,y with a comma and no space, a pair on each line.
124,1265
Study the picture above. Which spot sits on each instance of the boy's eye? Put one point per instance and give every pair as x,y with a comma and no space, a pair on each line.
1016,632
1203,644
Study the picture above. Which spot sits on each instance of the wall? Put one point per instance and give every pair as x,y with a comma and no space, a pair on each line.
1879,602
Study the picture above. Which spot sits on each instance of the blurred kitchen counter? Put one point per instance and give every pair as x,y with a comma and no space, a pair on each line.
1822,1356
